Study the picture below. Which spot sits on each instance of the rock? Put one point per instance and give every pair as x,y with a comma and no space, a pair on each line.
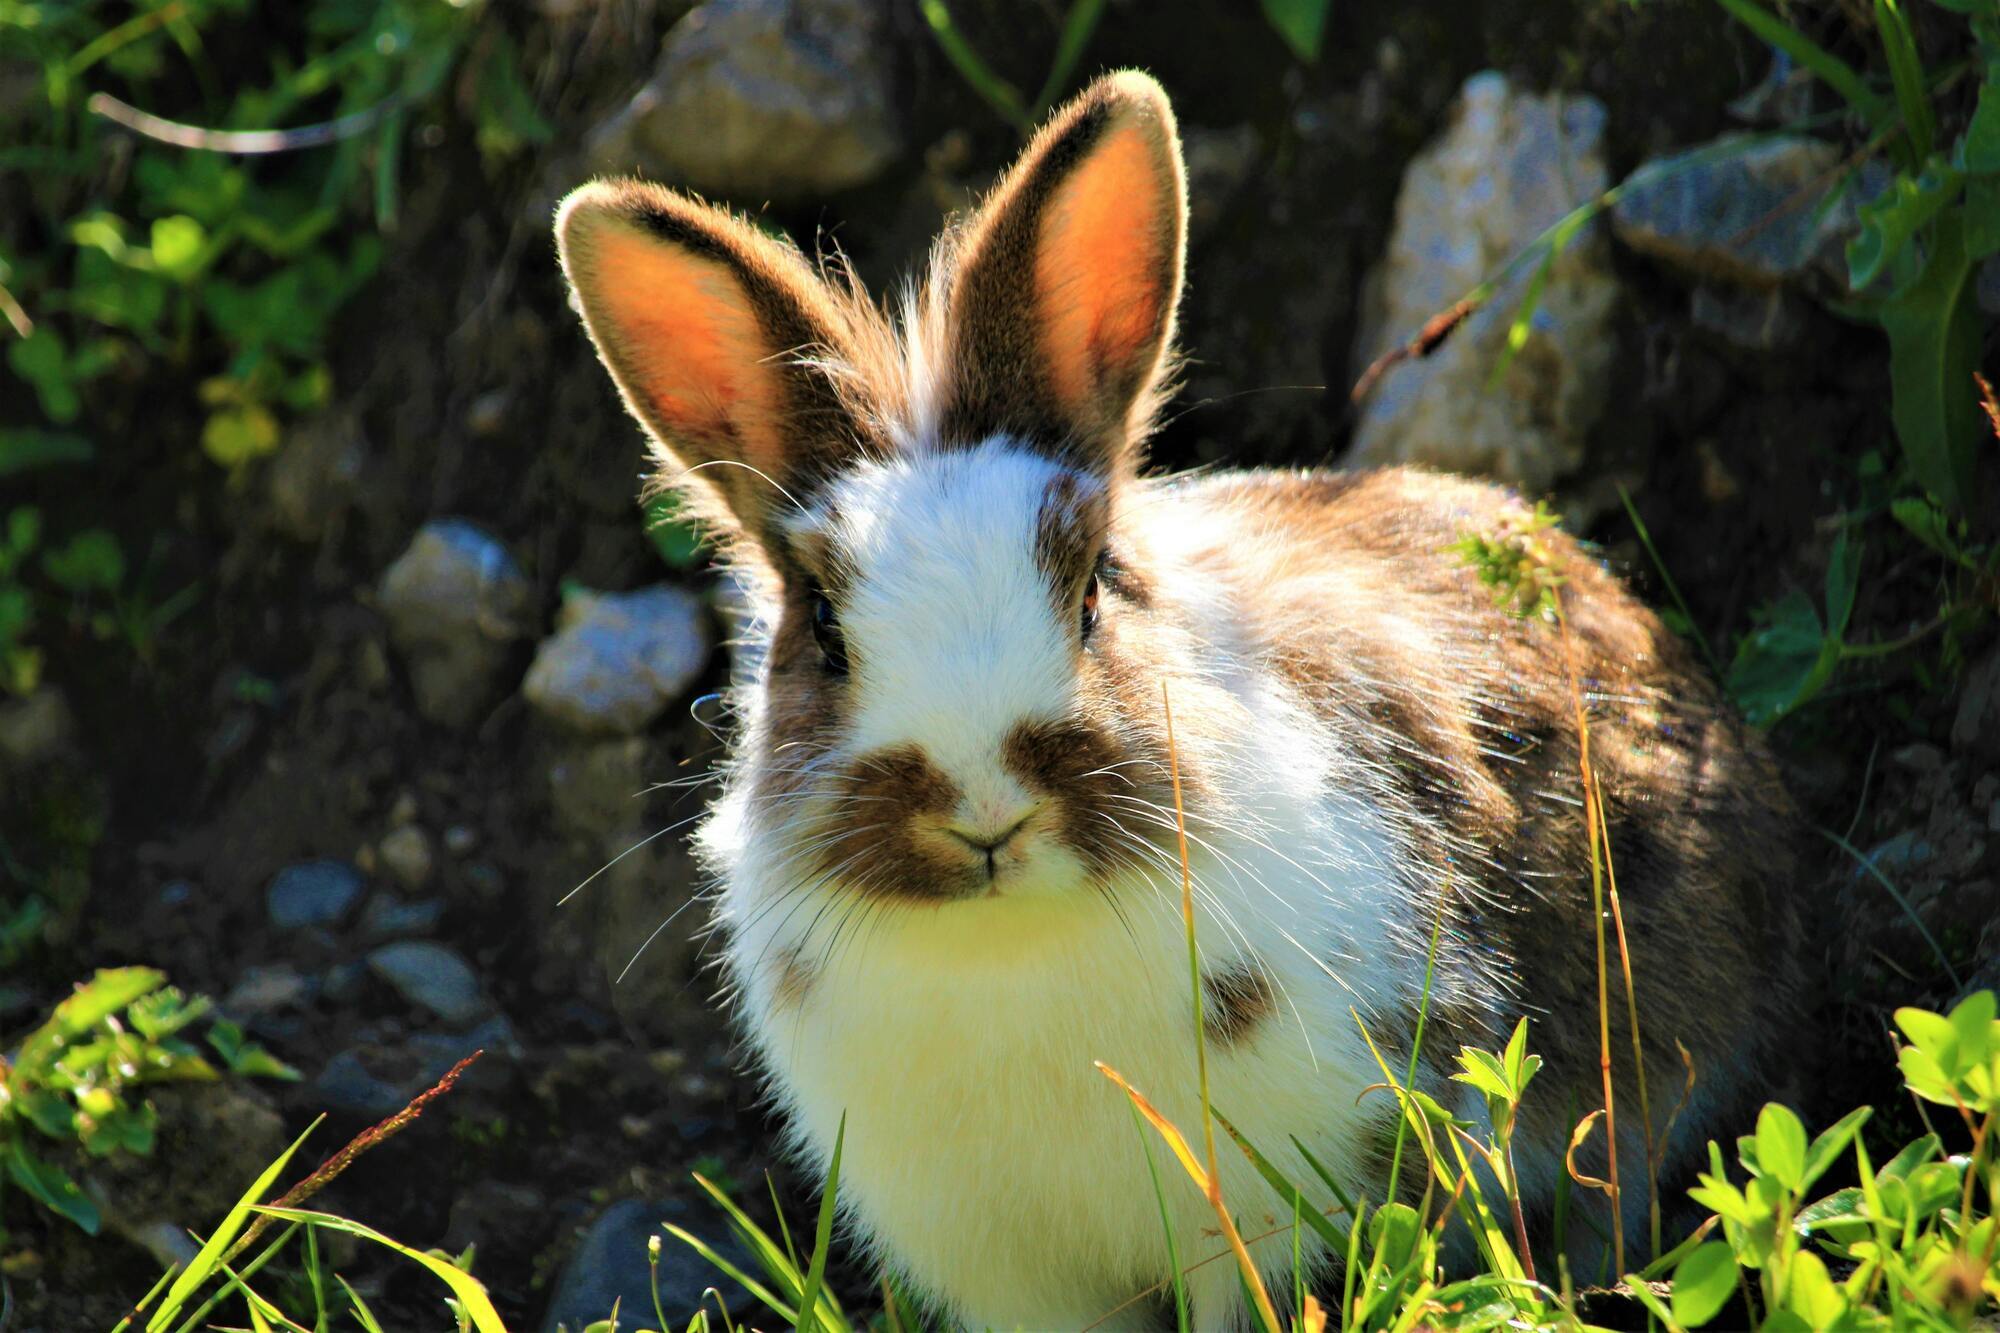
431,977
618,659
389,917
1744,209
1768,323
456,601
313,893
371,1080
610,1267
1975,729
757,99
262,991
1508,166
314,477
34,728
406,853
461,839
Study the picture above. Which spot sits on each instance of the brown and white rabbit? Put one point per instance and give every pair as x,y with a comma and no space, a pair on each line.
948,880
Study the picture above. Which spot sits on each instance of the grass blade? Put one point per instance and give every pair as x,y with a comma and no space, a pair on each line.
468,1290
1829,68
822,1237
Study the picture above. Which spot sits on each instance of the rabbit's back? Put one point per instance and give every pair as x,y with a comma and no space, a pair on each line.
1469,710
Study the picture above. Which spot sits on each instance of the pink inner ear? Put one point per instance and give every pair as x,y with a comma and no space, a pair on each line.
691,346
1101,268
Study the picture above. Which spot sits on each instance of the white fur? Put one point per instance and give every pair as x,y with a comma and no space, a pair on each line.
984,1153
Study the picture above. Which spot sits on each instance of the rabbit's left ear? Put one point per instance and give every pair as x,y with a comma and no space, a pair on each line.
1059,295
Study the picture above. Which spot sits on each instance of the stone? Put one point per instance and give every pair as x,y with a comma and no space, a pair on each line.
389,917
762,99
1770,322
456,602
1507,166
617,660
34,728
313,893
1975,728
267,990
406,854
371,1080
610,1267
1751,210
461,839
431,977
314,478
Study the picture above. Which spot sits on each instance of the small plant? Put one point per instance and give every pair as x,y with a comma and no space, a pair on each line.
1915,1243
80,1078
1910,267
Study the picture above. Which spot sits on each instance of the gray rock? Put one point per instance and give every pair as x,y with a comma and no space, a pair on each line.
610,1267
1508,165
313,893
757,99
372,1081
456,601
431,977
406,854
267,990
389,917
34,728
1748,210
1975,729
1768,322
618,659
314,478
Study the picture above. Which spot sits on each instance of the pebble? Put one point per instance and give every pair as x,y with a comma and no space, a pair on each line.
610,1267
456,601
389,917
406,853
313,893
267,990
617,660
431,977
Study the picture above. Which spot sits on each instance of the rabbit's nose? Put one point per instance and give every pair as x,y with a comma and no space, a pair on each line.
989,836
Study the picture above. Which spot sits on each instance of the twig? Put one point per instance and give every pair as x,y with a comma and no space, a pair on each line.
327,1171
24,326
1429,338
182,135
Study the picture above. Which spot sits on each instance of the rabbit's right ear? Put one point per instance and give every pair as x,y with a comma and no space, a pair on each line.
720,339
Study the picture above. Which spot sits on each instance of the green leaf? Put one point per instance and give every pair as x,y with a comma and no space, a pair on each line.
92,561
471,1296
822,1237
51,1188
1979,148
1301,23
235,436
1784,662
208,1259
677,538
1781,1145
1890,221
23,449
1933,1034
1933,331
1703,1284
1483,1071
247,1058
1982,216
1843,573
42,359
178,244
1827,67
1831,1144
1294,1199
1972,1023
1906,72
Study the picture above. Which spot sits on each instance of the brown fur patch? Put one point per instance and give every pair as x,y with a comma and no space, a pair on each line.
1236,1001
796,978
1069,533
1072,762
878,837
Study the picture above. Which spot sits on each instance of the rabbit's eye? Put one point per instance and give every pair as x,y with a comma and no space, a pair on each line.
1088,615
826,633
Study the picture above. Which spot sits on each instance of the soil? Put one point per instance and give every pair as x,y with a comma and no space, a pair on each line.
273,724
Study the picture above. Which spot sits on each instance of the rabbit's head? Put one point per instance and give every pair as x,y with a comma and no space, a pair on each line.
963,627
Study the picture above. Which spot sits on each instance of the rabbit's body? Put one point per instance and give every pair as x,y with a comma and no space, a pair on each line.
946,844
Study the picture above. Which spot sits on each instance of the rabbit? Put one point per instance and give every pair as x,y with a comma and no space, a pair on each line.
945,837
